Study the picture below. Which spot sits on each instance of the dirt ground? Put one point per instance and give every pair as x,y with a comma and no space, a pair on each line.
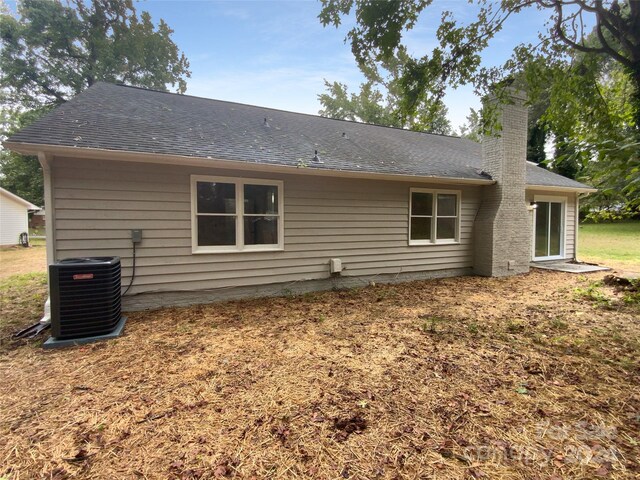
20,260
532,377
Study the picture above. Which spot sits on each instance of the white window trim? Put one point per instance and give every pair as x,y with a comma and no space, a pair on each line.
239,182
434,217
563,221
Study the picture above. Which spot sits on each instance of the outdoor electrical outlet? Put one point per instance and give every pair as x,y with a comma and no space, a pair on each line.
136,236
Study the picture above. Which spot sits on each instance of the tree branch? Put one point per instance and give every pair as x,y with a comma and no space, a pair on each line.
497,25
605,47
616,31
50,91
559,32
608,49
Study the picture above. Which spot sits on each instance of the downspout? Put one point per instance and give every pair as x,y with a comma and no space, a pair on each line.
50,228
45,162
576,226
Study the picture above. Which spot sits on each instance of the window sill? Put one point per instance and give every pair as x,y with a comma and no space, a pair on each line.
422,243
207,251
548,259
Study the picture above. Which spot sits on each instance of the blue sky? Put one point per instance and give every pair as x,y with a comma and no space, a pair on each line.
275,53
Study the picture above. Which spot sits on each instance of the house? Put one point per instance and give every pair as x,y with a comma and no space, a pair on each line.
236,200
14,217
37,220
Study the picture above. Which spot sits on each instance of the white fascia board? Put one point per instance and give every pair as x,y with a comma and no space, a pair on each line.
159,158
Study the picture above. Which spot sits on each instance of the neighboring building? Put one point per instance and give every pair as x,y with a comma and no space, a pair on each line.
14,217
37,221
236,200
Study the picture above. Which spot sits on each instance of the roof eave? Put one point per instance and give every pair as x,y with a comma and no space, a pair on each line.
553,188
30,206
162,158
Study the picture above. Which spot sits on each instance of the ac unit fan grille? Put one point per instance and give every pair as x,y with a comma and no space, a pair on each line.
85,297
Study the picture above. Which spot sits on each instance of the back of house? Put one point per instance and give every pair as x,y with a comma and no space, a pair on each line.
235,200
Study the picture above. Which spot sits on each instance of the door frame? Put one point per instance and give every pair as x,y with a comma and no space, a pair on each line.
563,224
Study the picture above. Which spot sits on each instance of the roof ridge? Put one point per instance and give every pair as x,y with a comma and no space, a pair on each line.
144,89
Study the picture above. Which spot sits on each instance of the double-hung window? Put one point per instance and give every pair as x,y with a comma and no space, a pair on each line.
236,214
434,216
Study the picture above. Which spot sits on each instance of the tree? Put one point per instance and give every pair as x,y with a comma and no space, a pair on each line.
565,160
371,105
591,115
472,128
51,51
20,174
538,131
377,37
590,77
368,106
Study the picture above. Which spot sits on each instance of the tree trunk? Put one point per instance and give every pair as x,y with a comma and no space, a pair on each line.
635,97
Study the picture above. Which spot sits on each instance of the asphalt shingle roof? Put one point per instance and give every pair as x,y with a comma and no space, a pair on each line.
121,118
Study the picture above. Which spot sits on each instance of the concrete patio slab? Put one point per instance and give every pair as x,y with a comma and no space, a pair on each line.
570,267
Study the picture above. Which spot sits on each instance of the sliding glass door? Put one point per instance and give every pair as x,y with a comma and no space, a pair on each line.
549,230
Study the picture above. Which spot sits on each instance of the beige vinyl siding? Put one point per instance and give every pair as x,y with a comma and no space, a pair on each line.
570,218
363,222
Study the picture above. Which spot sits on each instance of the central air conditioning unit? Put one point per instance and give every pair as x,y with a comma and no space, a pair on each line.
85,300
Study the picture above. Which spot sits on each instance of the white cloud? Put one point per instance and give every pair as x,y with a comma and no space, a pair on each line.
287,88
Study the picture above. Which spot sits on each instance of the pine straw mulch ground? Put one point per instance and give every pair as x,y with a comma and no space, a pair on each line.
523,378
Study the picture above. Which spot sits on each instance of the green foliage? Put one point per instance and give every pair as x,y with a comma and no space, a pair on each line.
592,117
537,136
558,324
609,213
538,131
472,129
565,161
629,295
287,292
430,323
594,293
20,174
379,102
366,106
53,50
515,326
455,60
586,83
473,328
632,296
23,176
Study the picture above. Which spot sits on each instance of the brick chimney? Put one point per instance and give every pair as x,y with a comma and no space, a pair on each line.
502,229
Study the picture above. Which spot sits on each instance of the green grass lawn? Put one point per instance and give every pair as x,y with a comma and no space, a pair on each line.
37,242
616,243
37,232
